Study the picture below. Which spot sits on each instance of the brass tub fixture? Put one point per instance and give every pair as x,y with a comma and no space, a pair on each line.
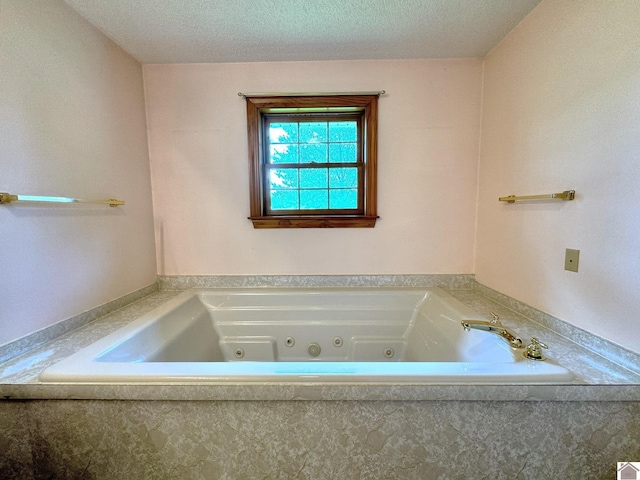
496,327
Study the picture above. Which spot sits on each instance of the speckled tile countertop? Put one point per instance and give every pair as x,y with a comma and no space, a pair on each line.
597,378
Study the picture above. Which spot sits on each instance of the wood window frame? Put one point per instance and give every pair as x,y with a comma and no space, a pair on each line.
260,106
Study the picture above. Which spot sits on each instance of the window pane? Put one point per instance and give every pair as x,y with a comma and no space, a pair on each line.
284,200
313,132
343,198
343,131
284,153
313,199
313,178
283,132
283,178
343,152
313,153
343,178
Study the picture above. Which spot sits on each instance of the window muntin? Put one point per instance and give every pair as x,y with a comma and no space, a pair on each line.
312,160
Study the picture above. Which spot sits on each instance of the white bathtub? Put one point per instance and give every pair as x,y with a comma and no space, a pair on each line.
324,335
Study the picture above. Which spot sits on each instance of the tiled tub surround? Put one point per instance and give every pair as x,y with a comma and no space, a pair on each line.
462,431
29,342
316,439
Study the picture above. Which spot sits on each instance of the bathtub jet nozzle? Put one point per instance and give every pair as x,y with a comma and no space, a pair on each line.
510,337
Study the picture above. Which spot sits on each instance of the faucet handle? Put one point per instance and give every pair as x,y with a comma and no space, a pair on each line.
534,349
494,317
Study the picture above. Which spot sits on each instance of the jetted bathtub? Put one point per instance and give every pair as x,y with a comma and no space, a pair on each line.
324,335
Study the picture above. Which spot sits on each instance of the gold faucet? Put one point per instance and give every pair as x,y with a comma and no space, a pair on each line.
494,327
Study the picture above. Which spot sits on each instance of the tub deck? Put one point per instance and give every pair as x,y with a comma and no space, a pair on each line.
326,335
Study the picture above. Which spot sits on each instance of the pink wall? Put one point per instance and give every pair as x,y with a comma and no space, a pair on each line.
560,110
73,124
428,152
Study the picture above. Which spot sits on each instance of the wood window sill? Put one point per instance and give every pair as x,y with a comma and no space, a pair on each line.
314,221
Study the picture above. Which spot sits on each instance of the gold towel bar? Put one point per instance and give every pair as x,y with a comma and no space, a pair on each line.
566,195
6,198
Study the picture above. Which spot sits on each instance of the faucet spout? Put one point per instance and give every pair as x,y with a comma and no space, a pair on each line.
507,335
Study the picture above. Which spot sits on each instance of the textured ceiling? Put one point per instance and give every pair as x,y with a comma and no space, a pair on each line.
211,31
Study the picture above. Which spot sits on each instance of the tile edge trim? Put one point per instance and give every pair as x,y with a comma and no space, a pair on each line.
182,282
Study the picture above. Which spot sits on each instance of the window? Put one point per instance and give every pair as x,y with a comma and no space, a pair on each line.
312,160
